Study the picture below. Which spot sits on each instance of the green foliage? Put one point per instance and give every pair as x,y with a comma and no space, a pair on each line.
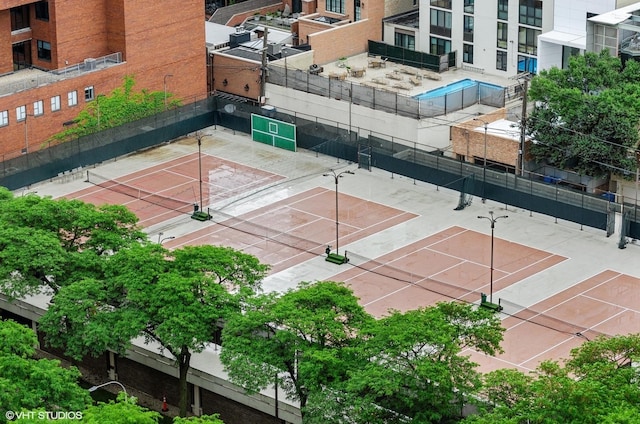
309,335
121,106
204,419
30,384
173,298
47,243
338,361
585,118
595,385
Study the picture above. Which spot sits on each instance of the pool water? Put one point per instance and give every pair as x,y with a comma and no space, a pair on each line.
451,88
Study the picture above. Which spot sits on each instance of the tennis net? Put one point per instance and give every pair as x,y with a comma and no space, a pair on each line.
134,192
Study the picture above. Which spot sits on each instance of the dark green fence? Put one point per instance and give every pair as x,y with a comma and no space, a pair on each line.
410,57
89,150
398,157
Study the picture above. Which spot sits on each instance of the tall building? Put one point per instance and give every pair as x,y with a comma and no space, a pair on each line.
57,55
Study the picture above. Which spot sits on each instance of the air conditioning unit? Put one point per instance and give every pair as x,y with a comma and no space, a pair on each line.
89,64
239,29
274,49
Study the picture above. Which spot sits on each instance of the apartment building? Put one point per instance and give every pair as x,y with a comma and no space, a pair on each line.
57,55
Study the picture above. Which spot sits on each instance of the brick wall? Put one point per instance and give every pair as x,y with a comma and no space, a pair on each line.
469,142
237,72
156,38
148,380
6,54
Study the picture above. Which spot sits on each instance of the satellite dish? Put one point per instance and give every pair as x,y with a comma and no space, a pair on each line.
229,108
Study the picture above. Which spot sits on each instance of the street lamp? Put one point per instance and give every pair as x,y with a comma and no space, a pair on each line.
162,239
493,220
336,178
165,89
94,388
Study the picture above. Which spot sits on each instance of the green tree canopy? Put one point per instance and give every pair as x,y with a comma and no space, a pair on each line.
415,369
30,384
175,299
586,116
47,243
597,384
306,337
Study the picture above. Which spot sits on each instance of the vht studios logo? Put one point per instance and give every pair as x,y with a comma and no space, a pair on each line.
43,415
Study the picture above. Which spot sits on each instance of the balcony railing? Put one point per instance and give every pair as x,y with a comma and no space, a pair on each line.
33,78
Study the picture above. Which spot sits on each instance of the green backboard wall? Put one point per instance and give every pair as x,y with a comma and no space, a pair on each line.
273,132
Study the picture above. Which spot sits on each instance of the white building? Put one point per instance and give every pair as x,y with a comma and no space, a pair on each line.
509,37
570,36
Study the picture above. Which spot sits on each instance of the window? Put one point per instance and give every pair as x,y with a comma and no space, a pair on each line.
502,35
38,108
501,60
441,22
468,29
21,113
408,41
445,4
44,50
4,118
567,53
531,12
468,6
336,6
439,46
528,40
88,93
55,103
42,10
72,98
19,17
467,53
527,64
503,9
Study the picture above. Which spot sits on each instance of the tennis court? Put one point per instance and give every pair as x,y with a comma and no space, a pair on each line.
297,228
453,264
605,304
407,248
170,189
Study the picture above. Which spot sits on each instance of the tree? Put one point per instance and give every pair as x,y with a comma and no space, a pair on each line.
29,384
46,244
123,410
585,116
597,384
305,340
415,370
176,299
122,105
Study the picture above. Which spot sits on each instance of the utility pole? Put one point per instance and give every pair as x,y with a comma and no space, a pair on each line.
263,68
523,125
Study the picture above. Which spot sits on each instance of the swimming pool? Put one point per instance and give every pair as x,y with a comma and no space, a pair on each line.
453,87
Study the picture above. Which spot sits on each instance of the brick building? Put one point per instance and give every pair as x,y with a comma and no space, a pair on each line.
489,137
57,55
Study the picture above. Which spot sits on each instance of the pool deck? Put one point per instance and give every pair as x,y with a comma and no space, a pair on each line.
372,76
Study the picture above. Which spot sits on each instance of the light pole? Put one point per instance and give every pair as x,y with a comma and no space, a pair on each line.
493,220
94,388
165,89
484,166
336,178
162,239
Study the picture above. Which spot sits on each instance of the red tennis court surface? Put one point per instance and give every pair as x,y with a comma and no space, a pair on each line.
452,264
170,189
608,303
298,228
